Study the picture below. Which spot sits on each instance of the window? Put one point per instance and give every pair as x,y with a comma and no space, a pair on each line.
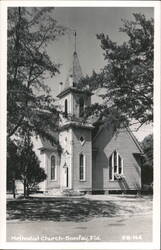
66,108
82,140
81,107
81,167
53,168
115,166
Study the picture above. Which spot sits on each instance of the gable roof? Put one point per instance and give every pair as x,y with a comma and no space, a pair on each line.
135,139
48,145
104,124
74,90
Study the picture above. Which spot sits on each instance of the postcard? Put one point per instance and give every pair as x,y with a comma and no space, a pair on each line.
80,125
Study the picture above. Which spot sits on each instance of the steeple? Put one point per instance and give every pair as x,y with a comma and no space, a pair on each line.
75,35
72,99
75,72
74,76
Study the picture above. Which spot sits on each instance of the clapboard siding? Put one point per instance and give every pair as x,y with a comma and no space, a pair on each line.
45,163
53,183
121,141
86,149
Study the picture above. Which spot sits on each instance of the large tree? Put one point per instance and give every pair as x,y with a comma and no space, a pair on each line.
29,171
30,30
23,165
127,77
30,107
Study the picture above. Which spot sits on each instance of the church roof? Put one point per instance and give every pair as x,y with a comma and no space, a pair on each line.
75,73
75,124
74,76
47,144
74,90
102,126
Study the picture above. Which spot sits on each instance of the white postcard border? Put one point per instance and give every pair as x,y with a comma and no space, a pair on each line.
3,93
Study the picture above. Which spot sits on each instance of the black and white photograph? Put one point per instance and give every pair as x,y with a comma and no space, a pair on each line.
81,124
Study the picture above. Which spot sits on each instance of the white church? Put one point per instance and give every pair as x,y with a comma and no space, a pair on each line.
93,158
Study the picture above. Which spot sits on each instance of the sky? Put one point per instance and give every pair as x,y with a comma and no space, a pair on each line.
88,22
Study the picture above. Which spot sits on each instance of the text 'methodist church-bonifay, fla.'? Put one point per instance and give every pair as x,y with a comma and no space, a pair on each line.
103,162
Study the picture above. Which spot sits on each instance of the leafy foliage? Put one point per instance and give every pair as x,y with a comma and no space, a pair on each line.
147,170
29,103
127,77
24,165
29,166
30,106
147,145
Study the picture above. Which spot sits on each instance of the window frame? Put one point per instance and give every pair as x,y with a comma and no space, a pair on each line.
84,167
112,171
55,167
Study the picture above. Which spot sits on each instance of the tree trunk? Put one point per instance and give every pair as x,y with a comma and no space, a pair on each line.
25,186
27,190
13,188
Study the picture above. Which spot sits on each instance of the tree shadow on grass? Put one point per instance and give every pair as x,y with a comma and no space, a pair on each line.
60,209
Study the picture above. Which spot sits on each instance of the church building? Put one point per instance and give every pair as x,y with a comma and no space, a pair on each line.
92,159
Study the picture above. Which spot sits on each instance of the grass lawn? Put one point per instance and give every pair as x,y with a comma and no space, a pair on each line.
72,209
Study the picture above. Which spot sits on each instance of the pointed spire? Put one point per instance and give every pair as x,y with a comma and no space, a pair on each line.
75,72
75,36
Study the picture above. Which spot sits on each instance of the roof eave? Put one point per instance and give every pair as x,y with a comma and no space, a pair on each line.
48,149
77,125
135,140
74,90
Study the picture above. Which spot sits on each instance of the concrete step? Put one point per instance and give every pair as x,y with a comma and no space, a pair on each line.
53,192
63,192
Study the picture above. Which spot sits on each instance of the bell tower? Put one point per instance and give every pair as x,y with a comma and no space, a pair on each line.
75,134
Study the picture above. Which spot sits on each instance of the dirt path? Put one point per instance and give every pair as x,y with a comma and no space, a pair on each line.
135,228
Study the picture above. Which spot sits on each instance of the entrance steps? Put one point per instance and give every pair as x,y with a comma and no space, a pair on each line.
62,192
53,192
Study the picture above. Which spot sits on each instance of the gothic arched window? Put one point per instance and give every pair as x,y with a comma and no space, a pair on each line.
53,168
115,165
81,106
81,167
66,108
